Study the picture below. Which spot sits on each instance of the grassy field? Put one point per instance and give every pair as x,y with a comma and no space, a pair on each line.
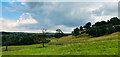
70,45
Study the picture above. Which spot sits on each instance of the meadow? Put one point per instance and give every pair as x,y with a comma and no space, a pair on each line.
70,45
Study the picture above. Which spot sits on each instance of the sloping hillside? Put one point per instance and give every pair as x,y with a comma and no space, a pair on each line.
83,38
104,45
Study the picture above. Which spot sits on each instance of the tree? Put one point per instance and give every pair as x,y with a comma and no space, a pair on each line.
100,30
114,21
99,24
87,25
44,34
59,33
28,40
8,40
75,32
108,21
117,28
5,41
81,28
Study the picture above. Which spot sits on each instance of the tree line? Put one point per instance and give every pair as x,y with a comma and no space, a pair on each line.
20,38
9,39
99,28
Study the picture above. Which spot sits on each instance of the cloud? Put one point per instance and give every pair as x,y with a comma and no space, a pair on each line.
21,21
23,3
64,15
13,26
105,12
8,23
107,9
28,20
101,18
60,0
61,13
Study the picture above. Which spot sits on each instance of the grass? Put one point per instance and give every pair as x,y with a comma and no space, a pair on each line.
85,38
21,47
104,45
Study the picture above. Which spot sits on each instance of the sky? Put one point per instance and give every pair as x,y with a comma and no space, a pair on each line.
34,16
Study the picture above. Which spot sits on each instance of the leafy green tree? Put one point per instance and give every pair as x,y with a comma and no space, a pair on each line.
8,40
44,40
109,29
27,40
103,27
75,32
99,24
59,33
87,25
100,30
117,28
114,21
22,39
81,28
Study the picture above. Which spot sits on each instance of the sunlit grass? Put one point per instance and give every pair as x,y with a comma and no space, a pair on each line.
21,47
93,48
103,45
72,39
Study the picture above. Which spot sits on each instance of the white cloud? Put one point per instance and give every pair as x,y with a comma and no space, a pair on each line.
1,19
12,26
23,3
101,18
13,23
26,19
60,26
8,23
107,9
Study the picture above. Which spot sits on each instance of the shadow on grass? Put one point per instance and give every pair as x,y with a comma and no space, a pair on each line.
22,48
